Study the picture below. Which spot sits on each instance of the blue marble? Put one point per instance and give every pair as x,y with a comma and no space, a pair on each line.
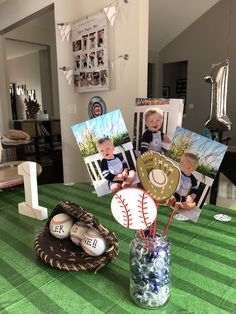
150,271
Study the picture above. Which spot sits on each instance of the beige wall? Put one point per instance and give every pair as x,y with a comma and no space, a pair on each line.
25,70
14,12
153,57
128,78
207,41
47,83
5,109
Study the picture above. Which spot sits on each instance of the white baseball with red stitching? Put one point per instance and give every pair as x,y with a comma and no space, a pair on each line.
93,243
133,208
60,225
77,232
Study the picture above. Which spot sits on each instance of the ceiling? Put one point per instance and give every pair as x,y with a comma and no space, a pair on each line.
169,18
16,49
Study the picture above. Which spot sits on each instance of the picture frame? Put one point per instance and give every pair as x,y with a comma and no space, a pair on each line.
181,86
166,92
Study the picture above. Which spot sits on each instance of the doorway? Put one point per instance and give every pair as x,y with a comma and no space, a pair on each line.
175,80
31,63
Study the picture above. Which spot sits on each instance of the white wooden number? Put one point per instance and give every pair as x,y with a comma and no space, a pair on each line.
31,207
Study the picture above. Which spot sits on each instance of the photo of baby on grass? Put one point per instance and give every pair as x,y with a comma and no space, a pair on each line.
107,150
199,159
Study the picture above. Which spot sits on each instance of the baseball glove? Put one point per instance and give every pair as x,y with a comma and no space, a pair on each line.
158,175
63,253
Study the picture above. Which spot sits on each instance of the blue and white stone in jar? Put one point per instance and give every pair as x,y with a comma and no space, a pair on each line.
150,270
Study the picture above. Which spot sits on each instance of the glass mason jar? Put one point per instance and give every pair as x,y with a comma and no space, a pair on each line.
150,270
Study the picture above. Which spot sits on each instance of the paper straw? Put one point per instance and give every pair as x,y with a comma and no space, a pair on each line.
150,230
154,229
168,222
141,232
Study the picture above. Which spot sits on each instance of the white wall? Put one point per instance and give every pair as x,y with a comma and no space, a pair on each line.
128,78
25,70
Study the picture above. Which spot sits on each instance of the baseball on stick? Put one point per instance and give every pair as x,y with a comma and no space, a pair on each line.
133,208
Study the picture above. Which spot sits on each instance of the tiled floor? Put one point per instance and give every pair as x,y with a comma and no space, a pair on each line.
226,193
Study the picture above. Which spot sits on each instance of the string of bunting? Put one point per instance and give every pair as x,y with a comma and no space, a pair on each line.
69,73
111,11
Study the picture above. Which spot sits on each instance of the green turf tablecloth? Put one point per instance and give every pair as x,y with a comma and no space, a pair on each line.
203,262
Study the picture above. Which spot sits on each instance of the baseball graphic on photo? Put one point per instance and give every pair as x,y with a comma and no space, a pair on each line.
158,177
133,208
93,243
77,232
60,225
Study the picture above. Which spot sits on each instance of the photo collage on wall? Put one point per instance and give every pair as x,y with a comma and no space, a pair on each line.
89,45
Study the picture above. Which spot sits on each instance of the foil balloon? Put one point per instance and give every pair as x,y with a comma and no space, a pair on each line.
218,78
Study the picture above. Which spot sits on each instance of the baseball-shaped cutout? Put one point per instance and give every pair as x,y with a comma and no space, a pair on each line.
133,208
77,232
60,225
158,177
93,243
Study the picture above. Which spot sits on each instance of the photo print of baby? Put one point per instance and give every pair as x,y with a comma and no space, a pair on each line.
155,121
107,150
198,159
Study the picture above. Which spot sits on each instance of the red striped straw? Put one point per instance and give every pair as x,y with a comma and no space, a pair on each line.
154,229
150,230
168,222
142,234
153,226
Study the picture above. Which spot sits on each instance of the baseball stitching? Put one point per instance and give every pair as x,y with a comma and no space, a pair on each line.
143,209
55,221
127,216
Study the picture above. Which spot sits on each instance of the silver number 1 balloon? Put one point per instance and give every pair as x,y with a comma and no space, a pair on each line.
218,77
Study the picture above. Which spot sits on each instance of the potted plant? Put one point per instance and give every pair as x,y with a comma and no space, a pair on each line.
32,107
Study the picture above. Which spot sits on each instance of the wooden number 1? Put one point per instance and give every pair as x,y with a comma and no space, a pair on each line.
31,207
